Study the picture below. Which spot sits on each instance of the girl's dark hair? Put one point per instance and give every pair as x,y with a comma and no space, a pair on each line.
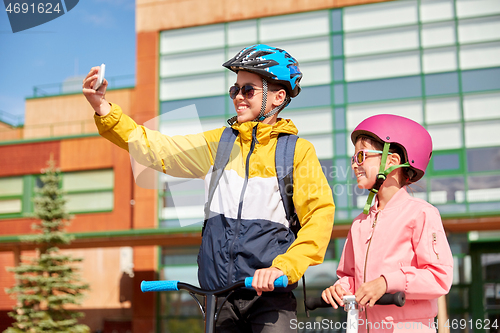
394,148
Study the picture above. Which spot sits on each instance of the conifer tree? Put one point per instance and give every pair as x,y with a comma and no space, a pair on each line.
49,281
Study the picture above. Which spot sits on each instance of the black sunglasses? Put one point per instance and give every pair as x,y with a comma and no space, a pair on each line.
247,91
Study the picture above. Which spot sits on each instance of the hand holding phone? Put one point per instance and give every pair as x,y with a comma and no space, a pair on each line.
100,77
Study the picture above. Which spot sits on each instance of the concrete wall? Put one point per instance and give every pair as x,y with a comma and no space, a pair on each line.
8,132
66,115
111,294
156,15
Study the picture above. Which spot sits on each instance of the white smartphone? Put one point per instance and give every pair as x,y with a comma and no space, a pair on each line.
100,77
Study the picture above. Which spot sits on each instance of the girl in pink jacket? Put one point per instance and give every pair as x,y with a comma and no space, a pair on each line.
399,243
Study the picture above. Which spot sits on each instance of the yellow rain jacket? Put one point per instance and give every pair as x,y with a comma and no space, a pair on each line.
247,228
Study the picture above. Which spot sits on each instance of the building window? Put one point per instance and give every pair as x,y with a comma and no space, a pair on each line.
181,202
89,191
85,191
11,195
179,307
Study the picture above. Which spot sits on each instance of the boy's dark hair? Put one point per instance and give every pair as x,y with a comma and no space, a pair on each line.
276,86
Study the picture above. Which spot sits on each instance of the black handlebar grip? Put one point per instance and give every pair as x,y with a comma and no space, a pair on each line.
313,303
397,299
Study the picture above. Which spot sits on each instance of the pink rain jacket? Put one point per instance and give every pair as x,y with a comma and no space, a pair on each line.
405,242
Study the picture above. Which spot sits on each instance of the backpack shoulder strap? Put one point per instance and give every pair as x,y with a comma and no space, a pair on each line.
285,151
224,148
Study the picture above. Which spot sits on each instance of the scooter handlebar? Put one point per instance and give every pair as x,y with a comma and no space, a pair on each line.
280,282
174,285
168,285
397,299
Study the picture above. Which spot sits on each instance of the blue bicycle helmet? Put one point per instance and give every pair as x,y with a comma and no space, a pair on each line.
271,63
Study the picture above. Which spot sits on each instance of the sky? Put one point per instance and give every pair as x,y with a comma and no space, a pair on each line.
93,32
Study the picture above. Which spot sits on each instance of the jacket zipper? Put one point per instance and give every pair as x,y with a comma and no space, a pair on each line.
366,261
434,244
240,207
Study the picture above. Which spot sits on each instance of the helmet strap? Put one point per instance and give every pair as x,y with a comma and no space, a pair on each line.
264,101
381,176
232,120
276,109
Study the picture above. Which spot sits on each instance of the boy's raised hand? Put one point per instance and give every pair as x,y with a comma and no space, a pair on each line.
333,295
96,97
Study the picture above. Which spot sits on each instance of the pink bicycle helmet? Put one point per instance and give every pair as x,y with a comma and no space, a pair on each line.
412,137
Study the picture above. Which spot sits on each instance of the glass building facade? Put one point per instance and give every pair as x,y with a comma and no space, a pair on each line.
434,61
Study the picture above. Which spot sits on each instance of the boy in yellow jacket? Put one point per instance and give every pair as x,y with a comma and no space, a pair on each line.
247,232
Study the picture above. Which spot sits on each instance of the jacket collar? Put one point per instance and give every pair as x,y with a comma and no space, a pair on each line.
398,199
264,131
